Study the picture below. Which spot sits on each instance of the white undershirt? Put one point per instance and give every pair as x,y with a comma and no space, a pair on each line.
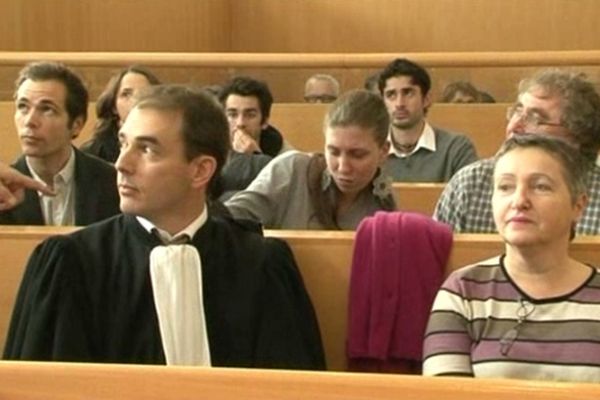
426,141
60,208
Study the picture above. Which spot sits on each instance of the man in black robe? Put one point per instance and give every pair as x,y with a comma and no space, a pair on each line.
231,296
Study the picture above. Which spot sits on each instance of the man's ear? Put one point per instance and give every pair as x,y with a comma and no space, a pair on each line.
427,100
265,123
76,127
202,169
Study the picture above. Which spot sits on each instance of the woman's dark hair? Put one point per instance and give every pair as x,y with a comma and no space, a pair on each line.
104,142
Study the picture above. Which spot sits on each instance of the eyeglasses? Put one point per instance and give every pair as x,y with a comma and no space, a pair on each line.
320,98
531,119
508,339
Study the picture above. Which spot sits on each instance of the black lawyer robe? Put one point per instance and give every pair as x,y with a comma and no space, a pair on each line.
88,297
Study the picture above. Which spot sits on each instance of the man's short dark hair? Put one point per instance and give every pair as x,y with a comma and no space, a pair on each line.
204,126
245,86
77,95
403,67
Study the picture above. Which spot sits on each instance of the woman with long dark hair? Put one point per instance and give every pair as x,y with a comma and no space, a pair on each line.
112,107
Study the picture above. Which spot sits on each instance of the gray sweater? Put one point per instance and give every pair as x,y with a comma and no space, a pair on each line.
451,154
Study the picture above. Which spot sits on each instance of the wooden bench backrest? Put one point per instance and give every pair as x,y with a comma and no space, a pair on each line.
60,381
417,197
324,258
302,125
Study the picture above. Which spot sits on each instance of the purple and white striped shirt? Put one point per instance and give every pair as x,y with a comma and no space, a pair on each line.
477,309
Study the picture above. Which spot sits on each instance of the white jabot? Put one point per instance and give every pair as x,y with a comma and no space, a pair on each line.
176,274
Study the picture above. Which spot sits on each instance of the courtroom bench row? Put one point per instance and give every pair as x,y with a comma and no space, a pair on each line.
324,258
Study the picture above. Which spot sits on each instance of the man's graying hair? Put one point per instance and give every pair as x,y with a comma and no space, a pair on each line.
580,105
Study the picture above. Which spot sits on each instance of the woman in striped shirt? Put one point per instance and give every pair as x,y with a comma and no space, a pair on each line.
534,312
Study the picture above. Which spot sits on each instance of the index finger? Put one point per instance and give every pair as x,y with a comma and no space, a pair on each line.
20,180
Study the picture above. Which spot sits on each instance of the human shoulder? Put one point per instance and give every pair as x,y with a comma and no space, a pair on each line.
293,157
246,230
244,239
453,141
481,272
90,160
290,163
475,172
239,159
271,141
20,164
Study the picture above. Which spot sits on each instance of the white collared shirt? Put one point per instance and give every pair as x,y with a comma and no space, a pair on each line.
189,230
60,208
426,141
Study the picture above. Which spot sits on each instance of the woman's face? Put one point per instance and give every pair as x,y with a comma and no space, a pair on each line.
130,85
353,156
531,201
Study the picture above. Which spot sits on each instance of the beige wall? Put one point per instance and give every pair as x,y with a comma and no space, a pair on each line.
414,25
298,26
114,25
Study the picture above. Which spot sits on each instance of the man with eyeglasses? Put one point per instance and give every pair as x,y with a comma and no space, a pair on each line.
321,88
419,152
552,102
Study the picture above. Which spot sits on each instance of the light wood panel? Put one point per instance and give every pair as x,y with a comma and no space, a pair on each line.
298,26
408,25
115,25
496,73
62,381
417,197
302,124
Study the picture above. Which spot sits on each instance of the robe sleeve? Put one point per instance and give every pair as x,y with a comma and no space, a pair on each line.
288,334
51,316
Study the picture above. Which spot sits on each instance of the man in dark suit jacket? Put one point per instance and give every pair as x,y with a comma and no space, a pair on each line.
96,196
51,109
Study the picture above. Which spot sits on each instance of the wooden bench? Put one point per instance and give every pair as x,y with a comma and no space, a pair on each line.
418,197
61,381
496,72
302,125
324,258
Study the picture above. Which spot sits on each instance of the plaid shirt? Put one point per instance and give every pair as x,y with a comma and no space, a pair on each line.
466,202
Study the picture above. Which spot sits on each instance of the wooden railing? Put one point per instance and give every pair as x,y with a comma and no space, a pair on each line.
63,381
308,60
